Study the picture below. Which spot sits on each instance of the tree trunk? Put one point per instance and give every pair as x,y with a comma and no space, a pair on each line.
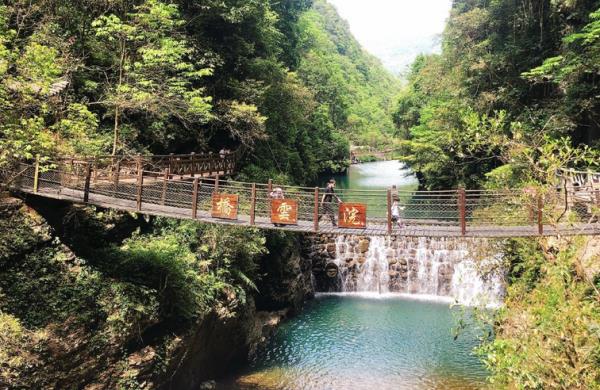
116,132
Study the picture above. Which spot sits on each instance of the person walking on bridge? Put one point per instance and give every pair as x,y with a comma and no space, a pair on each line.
327,203
396,208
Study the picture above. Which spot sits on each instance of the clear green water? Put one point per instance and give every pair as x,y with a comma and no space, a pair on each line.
366,342
379,175
354,342
375,176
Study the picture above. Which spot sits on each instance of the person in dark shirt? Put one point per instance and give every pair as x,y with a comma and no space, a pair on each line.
327,203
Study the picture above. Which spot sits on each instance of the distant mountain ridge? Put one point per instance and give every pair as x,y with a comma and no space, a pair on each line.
354,86
398,57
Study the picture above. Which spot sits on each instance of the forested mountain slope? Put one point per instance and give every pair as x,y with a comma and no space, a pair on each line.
284,78
109,300
516,83
352,85
513,97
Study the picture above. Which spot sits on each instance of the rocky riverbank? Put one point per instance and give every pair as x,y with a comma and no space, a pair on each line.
74,314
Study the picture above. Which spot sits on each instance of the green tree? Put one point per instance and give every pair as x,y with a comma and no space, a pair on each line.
153,72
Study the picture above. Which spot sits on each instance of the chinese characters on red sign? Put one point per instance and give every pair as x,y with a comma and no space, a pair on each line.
353,215
224,206
284,211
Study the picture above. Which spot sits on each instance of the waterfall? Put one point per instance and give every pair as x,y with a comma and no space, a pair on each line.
442,268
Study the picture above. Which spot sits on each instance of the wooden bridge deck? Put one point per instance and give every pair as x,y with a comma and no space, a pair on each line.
427,214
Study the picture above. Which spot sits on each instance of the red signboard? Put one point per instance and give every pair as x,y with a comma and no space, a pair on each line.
353,215
225,206
284,211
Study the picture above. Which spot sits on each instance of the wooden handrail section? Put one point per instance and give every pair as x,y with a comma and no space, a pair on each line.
182,187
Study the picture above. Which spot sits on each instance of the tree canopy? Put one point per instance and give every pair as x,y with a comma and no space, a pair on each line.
514,80
285,79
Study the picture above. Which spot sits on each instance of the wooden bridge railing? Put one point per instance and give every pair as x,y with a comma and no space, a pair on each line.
459,212
117,168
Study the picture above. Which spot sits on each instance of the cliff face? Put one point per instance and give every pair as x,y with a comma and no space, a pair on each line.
70,319
220,342
65,323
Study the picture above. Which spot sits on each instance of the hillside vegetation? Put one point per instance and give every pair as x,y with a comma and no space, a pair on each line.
513,97
96,298
351,85
514,90
285,79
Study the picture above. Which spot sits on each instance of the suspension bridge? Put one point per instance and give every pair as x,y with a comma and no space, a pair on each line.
198,187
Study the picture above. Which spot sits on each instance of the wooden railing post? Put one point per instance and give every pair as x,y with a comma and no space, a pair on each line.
192,164
72,172
216,184
389,211
195,199
270,186
140,183
540,213
116,177
316,210
170,165
88,179
94,169
163,196
462,210
36,174
253,205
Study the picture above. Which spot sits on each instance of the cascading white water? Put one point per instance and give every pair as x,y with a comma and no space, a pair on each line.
373,274
444,268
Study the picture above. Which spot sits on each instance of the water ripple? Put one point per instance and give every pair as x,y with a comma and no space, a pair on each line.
353,342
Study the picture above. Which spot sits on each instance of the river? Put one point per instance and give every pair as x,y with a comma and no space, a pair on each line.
375,176
361,342
364,340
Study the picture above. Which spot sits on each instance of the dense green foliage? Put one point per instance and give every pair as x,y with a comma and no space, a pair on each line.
485,102
285,80
547,333
350,84
99,295
282,79
512,97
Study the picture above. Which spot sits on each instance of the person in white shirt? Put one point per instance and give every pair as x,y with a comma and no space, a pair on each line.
396,208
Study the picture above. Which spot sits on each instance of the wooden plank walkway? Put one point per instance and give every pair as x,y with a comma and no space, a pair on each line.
183,191
76,196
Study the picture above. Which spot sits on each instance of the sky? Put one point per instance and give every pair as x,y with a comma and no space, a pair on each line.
396,31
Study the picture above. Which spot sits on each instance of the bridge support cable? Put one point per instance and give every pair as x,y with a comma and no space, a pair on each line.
452,213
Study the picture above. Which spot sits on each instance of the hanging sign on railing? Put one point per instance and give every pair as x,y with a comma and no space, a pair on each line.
225,206
353,215
284,211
